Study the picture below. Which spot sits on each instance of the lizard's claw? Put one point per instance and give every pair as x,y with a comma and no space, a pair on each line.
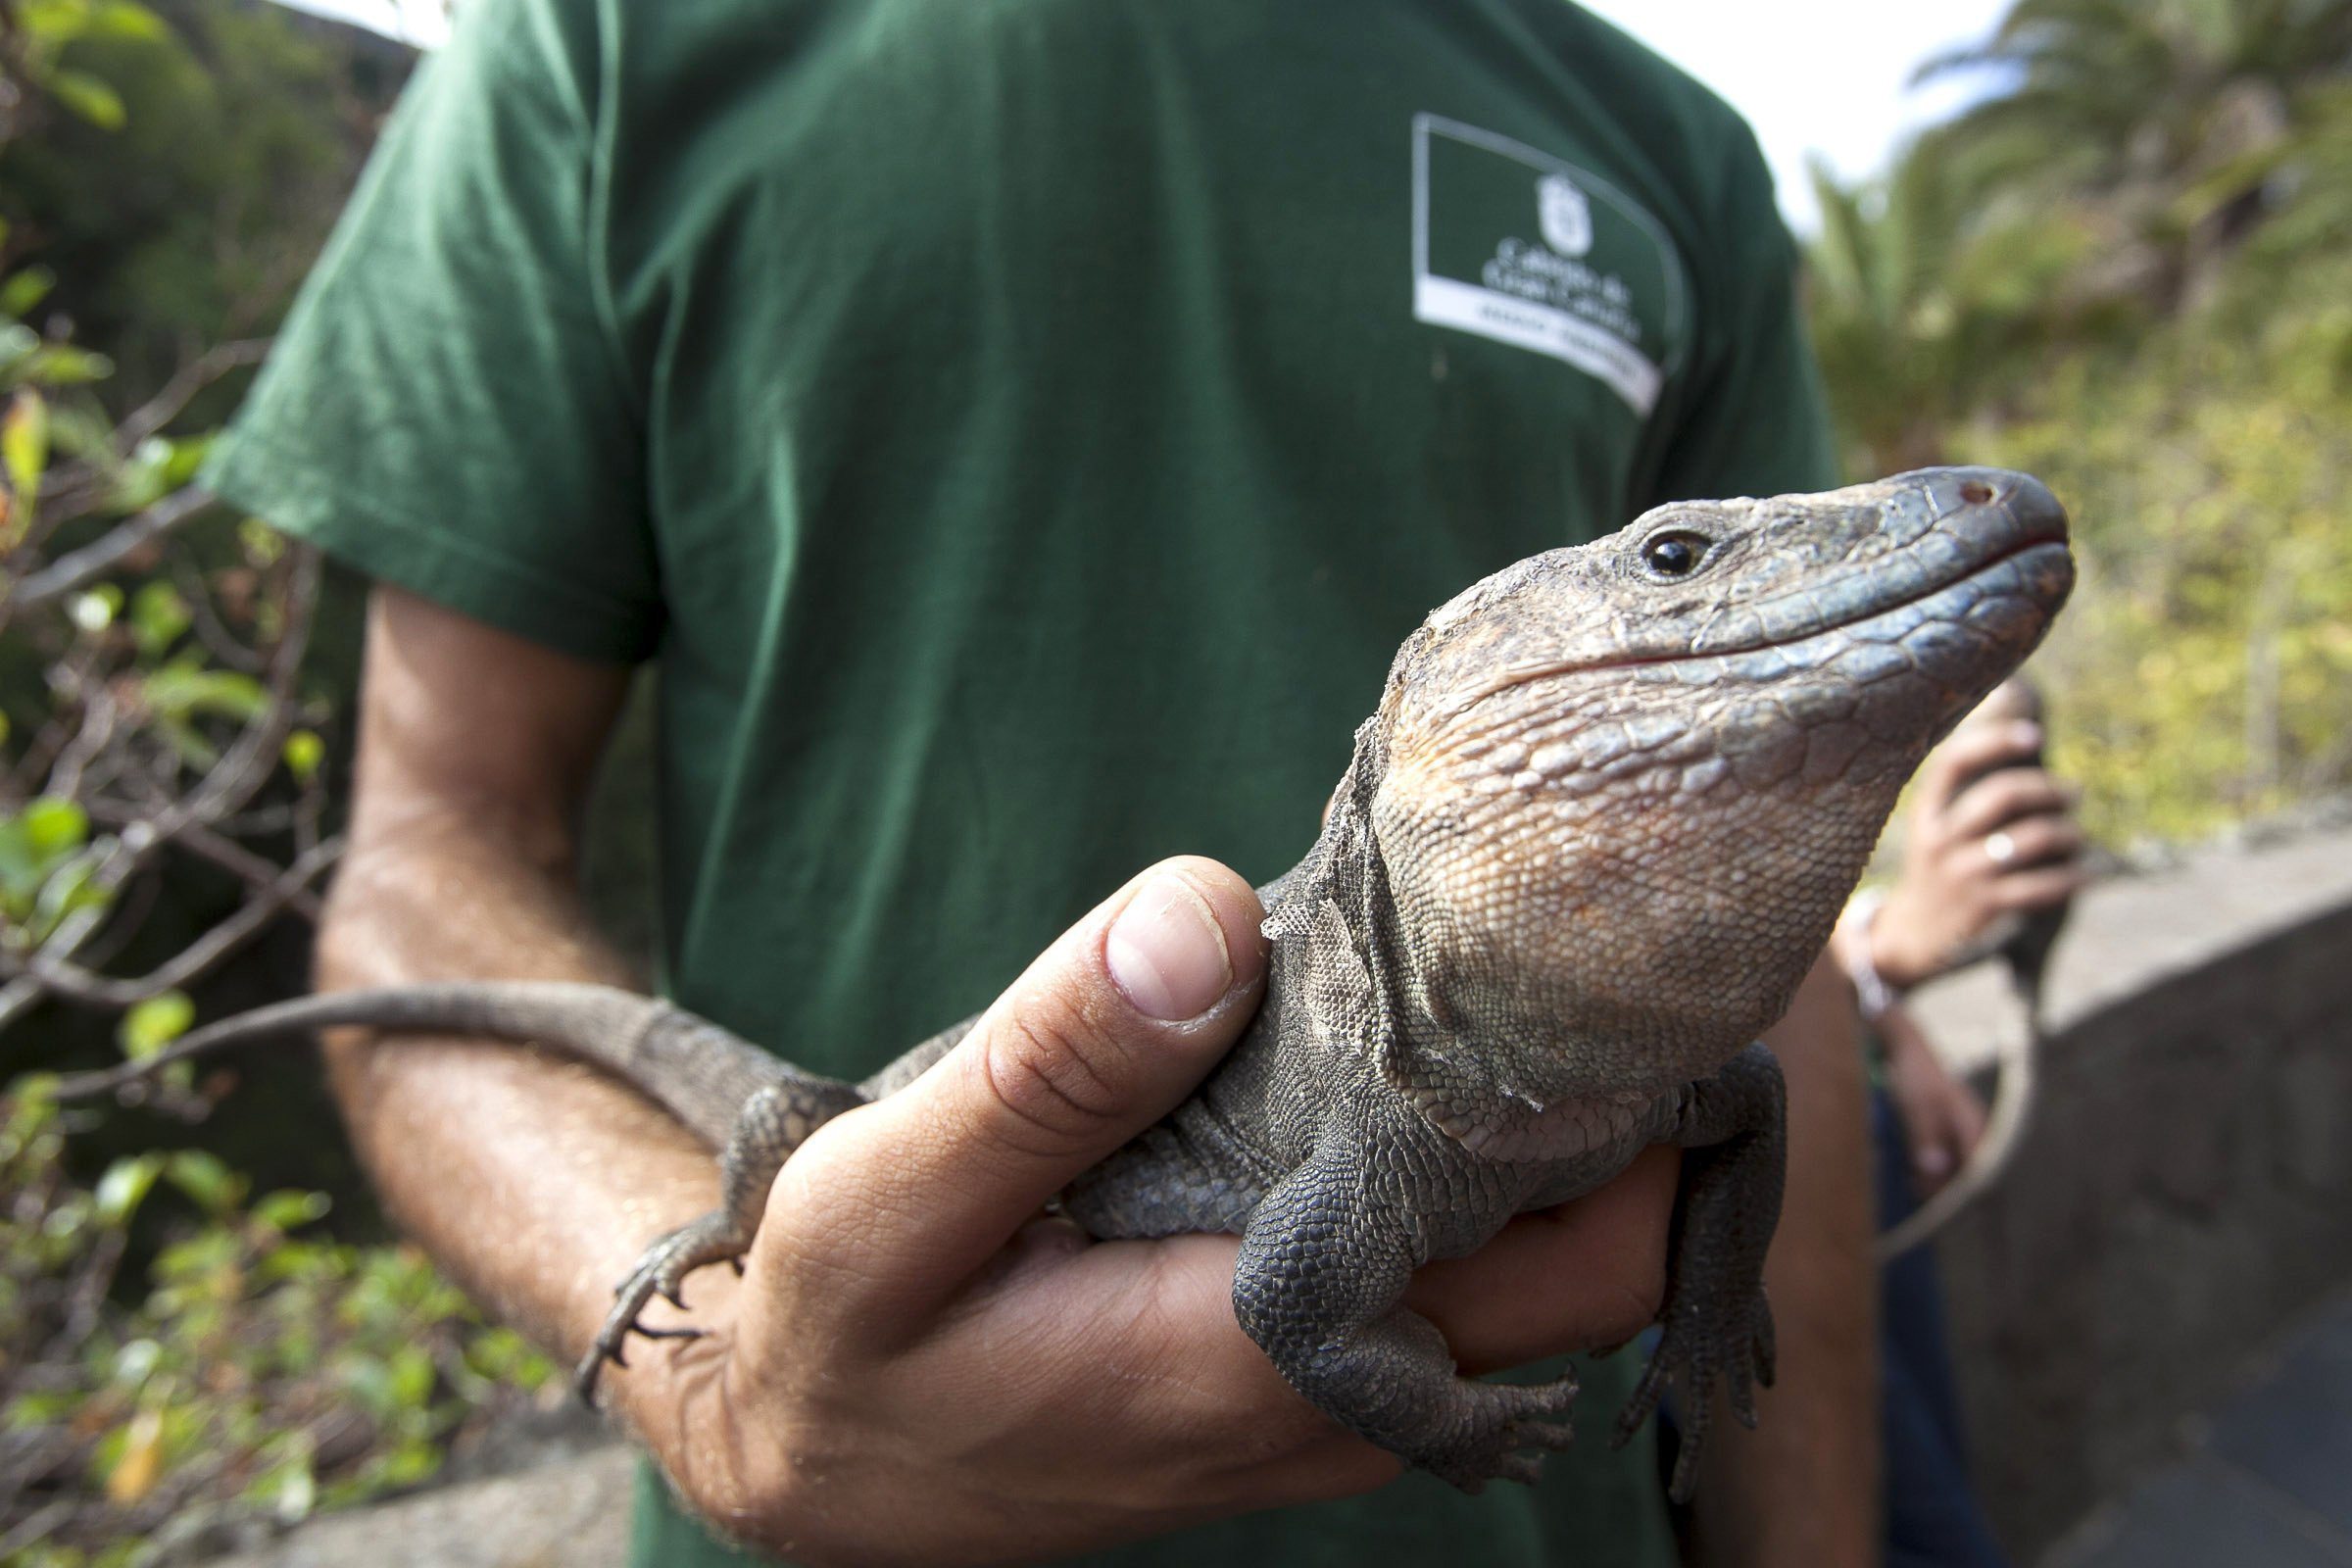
663,1272
1707,1345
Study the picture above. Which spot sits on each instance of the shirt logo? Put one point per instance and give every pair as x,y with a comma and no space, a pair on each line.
1520,247
1564,216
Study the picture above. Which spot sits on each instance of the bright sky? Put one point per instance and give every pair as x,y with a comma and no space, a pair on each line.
1812,75
1826,77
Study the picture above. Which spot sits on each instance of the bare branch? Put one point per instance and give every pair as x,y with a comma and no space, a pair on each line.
224,790
162,408
91,740
207,621
37,1526
80,567
255,754
129,913
72,981
20,996
206,844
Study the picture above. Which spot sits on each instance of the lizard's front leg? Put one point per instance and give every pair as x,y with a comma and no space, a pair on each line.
1717,1325
1323,1266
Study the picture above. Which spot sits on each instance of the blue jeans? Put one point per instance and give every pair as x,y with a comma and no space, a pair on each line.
1932,1517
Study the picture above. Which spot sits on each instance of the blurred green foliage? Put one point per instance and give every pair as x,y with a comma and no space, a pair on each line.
203,155
2204,674
2128,269
263,1373
174,1357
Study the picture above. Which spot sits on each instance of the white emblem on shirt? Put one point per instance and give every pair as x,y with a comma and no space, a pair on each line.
1564,214
1598,284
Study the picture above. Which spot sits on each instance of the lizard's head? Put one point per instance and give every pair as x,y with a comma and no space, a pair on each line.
1631,784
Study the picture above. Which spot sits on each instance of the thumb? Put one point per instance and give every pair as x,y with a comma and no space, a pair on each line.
1105,1034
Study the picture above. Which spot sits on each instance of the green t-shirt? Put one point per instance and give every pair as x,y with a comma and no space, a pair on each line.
1020,431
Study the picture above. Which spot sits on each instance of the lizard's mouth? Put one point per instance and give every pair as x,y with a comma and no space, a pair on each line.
2031,571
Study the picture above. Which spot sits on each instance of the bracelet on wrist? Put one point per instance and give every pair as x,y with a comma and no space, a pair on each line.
1872,993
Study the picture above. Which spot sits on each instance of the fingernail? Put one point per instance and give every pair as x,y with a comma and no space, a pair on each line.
1931,1162
2025,733
1166,950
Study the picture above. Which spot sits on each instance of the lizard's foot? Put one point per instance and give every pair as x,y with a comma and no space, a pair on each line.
1722,1342
1717,1326
1504,1419
662,1271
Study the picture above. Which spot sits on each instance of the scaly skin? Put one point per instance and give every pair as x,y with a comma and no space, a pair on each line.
1602,824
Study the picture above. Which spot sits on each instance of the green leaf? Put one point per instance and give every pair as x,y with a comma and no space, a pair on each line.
157,615
89,97
25,442
414,1460
304,751
80,432
63,364
125,18
71,887
263,544
412,1376
214,1186
289,1210
125,1186
185,691
158,465
288,1487
187,457
40,1408
154,1024
35,843
55,827
26,290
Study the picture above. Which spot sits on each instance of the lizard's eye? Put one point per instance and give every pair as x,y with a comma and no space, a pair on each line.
1675,553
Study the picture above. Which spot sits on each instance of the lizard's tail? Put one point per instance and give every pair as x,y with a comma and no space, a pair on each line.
2017,1055
603,1025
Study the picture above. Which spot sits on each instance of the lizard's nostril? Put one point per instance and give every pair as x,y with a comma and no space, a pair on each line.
1977,493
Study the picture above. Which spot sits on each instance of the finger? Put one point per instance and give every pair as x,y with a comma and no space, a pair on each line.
2032,843
1913,1079
1587,1274
1933,1159
2023,891
1957,1119
1972,750
1103,1033
2003,797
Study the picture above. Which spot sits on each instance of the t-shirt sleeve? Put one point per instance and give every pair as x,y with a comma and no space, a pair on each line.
446,409
1758,423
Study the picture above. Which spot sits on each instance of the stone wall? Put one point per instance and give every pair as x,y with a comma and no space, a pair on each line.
2186,1189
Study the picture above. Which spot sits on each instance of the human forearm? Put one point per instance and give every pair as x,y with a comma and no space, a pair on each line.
535,1182
1802,1489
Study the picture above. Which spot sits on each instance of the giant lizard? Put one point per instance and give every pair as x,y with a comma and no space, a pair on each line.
1601,826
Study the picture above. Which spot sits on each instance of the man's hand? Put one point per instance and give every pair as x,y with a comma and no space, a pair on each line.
1991,835
920,1366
